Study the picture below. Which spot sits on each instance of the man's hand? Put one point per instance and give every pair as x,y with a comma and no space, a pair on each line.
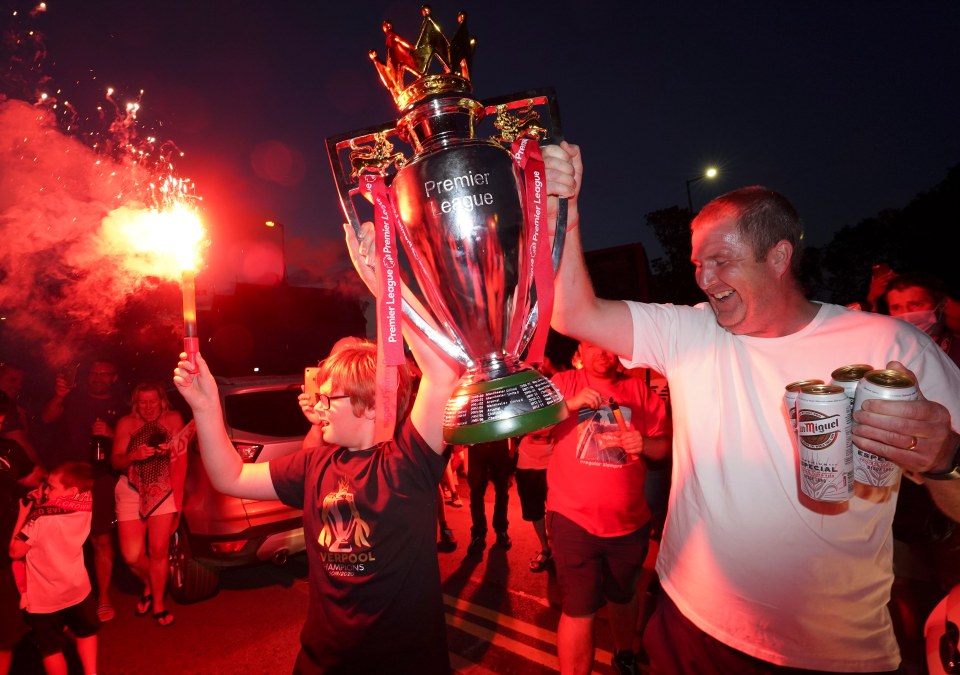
101,428
61,387
564,174
916,435
585,398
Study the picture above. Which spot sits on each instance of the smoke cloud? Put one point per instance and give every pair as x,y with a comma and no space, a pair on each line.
63,279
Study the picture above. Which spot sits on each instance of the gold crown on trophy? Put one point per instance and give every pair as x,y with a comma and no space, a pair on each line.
454,56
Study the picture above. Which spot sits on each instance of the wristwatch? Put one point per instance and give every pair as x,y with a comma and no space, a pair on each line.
950,474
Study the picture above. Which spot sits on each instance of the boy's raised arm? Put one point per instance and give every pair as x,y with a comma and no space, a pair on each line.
440,373
227,472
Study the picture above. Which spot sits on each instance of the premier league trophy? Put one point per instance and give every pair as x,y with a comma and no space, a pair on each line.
471,215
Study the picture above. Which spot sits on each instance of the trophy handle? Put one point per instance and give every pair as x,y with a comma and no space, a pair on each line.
553,134
348,188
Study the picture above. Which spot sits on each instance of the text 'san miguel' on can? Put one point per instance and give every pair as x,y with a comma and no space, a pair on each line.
849,377
892,385
790,399
823,434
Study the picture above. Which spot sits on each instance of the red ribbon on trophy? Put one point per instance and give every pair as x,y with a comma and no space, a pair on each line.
528,158
389,316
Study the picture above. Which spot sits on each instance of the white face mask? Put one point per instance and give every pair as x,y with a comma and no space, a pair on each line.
925,320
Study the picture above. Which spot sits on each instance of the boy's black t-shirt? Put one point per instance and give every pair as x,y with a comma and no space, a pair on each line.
370,522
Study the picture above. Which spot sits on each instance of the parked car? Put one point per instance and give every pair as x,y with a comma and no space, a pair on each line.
264,421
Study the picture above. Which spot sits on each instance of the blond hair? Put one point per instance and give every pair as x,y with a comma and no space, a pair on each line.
150,385
352,369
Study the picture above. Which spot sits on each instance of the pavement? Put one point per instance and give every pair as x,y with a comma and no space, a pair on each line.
503,617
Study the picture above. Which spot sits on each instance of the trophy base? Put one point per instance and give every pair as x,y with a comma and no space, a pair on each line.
492,410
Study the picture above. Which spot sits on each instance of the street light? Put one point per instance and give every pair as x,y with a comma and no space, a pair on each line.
283,246
710,173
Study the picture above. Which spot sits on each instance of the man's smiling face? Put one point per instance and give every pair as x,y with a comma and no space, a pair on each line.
745,294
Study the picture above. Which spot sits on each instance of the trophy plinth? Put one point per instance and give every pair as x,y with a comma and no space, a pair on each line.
514,404
461,205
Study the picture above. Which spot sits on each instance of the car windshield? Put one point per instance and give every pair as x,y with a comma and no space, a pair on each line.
266,413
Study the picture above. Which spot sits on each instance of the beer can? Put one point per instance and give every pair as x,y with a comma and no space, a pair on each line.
891,385
823,435
790,399
849,377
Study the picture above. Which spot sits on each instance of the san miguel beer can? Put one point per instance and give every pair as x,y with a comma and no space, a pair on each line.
823,435
790,399
891,385
849,377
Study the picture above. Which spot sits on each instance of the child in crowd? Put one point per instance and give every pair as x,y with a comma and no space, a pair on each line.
53,523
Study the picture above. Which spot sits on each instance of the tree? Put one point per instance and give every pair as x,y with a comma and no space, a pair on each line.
673,279
911,239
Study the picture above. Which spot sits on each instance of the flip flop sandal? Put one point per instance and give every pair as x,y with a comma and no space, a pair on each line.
164,618
105,612
541,562
144,605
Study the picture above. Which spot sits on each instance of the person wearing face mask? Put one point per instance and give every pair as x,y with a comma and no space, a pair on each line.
926,550
921,299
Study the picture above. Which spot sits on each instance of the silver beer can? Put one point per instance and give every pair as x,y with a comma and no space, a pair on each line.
849,377
823,435
790,399
891,385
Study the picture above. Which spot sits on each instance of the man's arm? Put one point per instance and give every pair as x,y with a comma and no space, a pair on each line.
18,547
577,311
657,447
54,407
227,472
20,436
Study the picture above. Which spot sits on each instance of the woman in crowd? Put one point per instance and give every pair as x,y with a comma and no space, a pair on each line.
146,506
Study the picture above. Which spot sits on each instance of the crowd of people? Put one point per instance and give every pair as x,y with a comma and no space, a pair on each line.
88,474
751,577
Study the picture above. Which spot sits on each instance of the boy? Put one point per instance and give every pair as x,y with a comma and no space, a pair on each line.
369,510
49,536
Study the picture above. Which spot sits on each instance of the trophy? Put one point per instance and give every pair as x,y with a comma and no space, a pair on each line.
470,214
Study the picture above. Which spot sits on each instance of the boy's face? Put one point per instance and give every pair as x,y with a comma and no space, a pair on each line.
53,488
340,425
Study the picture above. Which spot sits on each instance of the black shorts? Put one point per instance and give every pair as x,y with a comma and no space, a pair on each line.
48,633
104,519
592,570
532,490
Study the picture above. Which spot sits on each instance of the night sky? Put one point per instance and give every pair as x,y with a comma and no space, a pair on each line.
847,107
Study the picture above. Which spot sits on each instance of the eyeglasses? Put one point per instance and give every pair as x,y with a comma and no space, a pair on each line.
324,401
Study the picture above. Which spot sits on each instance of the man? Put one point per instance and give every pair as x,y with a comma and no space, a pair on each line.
926,558
369,509
752,579
80,417
921,300
597,515
489,463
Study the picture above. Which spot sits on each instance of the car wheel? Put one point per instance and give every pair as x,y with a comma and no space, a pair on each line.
190,580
